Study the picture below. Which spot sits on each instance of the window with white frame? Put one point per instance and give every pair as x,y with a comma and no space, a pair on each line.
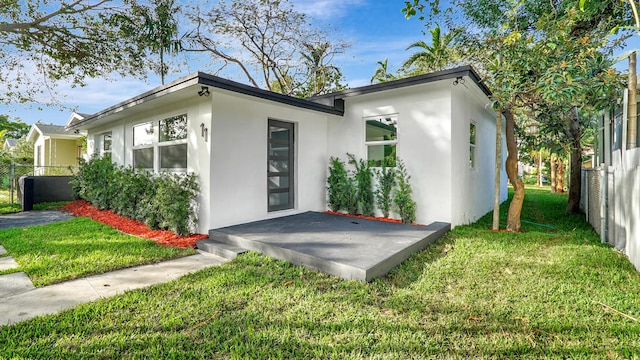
106,143
472,145
161,145
381,139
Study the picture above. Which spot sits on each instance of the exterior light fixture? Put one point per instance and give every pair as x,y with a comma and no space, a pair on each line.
458,80
204,91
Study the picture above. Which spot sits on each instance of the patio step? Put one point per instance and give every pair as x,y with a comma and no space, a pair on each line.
226,251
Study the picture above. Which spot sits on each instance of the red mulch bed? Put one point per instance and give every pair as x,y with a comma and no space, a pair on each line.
132,227
369,217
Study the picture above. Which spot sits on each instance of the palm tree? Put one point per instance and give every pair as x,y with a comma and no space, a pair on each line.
158,29
382,72
434,57
322,76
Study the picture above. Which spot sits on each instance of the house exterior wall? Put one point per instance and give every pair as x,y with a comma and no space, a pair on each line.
231,162
473,187
198,112
238,187
63,152
424,140
39,151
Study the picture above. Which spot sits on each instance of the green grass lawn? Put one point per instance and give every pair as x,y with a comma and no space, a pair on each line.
546,293
78,248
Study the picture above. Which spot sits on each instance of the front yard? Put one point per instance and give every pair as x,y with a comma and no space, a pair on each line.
553,291
78,248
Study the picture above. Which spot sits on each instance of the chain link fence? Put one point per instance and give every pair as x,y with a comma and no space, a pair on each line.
10,172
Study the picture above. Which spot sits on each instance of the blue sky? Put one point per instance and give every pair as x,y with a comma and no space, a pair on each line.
376,29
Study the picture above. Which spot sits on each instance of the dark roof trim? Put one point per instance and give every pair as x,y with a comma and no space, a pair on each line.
213,81
224,84
414,80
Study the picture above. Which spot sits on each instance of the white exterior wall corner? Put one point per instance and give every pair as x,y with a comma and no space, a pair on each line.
424,140
239,135
473,188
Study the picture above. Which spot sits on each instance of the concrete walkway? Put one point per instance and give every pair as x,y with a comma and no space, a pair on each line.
30,218
32,302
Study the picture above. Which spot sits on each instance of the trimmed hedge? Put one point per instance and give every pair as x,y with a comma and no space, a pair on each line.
164,201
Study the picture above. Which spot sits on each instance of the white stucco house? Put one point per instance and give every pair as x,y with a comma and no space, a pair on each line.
261,155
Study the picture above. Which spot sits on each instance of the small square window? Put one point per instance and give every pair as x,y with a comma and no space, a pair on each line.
173,128
173,156
143,134
143,158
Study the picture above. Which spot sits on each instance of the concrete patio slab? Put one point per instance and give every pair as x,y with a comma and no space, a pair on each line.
348,247
13,284
2,250
30,218
53,298
7,263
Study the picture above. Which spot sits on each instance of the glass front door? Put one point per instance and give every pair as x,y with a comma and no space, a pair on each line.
280,166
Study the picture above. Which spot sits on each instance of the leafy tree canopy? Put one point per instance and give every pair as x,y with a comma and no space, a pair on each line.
15,129
42,42
274,46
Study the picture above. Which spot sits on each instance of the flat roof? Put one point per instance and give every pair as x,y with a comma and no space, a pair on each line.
328,103
460,71
204,79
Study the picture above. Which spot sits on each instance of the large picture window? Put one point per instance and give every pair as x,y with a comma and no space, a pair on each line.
381,139
165,151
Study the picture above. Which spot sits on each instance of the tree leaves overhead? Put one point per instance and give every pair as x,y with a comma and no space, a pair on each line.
43,42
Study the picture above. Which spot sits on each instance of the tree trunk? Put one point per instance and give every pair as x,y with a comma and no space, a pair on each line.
575,167
515,208
560,176
552,172
539,166
632,123
496,187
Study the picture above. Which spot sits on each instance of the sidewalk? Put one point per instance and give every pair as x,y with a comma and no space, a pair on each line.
51,299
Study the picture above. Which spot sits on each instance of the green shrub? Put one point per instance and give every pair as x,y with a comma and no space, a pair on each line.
162,201
386,182
95,182
364,182
405,205
336,181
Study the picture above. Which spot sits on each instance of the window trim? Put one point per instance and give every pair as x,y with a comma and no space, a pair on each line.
394,116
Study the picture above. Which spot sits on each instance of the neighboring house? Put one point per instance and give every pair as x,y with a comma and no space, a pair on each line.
261,155
54,147
9,145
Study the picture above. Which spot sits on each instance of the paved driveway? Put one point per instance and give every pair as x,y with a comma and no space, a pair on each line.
29,218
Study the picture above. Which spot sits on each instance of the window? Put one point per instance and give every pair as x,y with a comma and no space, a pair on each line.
173,143
39,155
167,150
106,143
472,145
381,138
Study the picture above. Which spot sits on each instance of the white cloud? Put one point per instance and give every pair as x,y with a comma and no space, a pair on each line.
326,9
